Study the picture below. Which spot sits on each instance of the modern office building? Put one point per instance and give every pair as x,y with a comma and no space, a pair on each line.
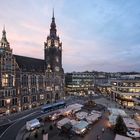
126,90
102,83
27,82
79,83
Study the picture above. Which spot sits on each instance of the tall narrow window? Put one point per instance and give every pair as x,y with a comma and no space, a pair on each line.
5,80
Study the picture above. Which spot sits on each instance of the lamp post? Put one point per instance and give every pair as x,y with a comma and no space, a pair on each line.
8,105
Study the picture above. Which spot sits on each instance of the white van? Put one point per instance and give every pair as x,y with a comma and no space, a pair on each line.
32,124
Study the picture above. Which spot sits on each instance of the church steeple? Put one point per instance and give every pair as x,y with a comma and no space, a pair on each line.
53,13
53,26
4,43
4,34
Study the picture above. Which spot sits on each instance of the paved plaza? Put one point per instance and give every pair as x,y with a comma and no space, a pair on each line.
17,128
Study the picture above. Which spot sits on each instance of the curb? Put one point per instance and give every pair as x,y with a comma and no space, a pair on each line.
19,136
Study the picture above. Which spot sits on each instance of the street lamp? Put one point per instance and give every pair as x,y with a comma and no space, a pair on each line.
8,103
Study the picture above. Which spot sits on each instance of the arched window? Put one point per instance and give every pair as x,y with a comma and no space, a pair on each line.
33,80
24,80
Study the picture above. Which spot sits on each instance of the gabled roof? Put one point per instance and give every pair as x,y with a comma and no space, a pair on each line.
29,64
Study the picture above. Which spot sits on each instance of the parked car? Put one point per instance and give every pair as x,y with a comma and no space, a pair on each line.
133,134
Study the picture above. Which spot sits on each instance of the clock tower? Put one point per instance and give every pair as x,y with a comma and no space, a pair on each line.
53,49
53,60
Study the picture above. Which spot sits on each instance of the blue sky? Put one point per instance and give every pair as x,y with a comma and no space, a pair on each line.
99,35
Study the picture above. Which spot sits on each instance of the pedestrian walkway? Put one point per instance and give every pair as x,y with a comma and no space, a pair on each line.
97,130
106,103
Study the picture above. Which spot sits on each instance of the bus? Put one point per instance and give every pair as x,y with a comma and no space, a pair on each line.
52,107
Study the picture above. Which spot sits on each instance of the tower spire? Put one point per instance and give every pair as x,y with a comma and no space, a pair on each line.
3,42
4,32
53,25
53,13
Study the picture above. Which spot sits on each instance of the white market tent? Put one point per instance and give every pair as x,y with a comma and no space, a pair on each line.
131,123
116,112
75,107
63,122
95,112
120,137
71,109
81,115
74,122
92,118
66,111
80,127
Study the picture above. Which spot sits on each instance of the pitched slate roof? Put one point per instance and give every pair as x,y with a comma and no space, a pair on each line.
29,64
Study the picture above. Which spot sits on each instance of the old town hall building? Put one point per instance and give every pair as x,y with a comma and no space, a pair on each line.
27,82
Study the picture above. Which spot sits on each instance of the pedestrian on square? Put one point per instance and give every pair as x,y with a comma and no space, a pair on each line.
103,130
98,137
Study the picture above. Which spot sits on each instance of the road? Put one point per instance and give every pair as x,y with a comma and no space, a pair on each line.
13,129
10,130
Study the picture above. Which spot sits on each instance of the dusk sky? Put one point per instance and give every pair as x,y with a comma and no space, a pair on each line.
101,35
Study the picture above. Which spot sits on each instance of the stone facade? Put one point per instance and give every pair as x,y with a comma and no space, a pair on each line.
27,82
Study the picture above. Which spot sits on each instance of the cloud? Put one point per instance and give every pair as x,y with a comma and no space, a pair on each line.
96,35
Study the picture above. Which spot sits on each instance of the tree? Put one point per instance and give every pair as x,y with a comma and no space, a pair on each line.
120,127
43,131
36,135
51,127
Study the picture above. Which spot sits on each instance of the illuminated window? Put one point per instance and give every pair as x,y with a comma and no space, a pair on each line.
56,87
137,90
132,90
137,84
56,43
49,88
42,96
49,42
5,80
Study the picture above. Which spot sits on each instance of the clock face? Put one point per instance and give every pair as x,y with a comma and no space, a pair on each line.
1,51
56,43
49,43
57,68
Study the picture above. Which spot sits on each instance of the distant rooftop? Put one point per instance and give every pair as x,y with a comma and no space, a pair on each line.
130,77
